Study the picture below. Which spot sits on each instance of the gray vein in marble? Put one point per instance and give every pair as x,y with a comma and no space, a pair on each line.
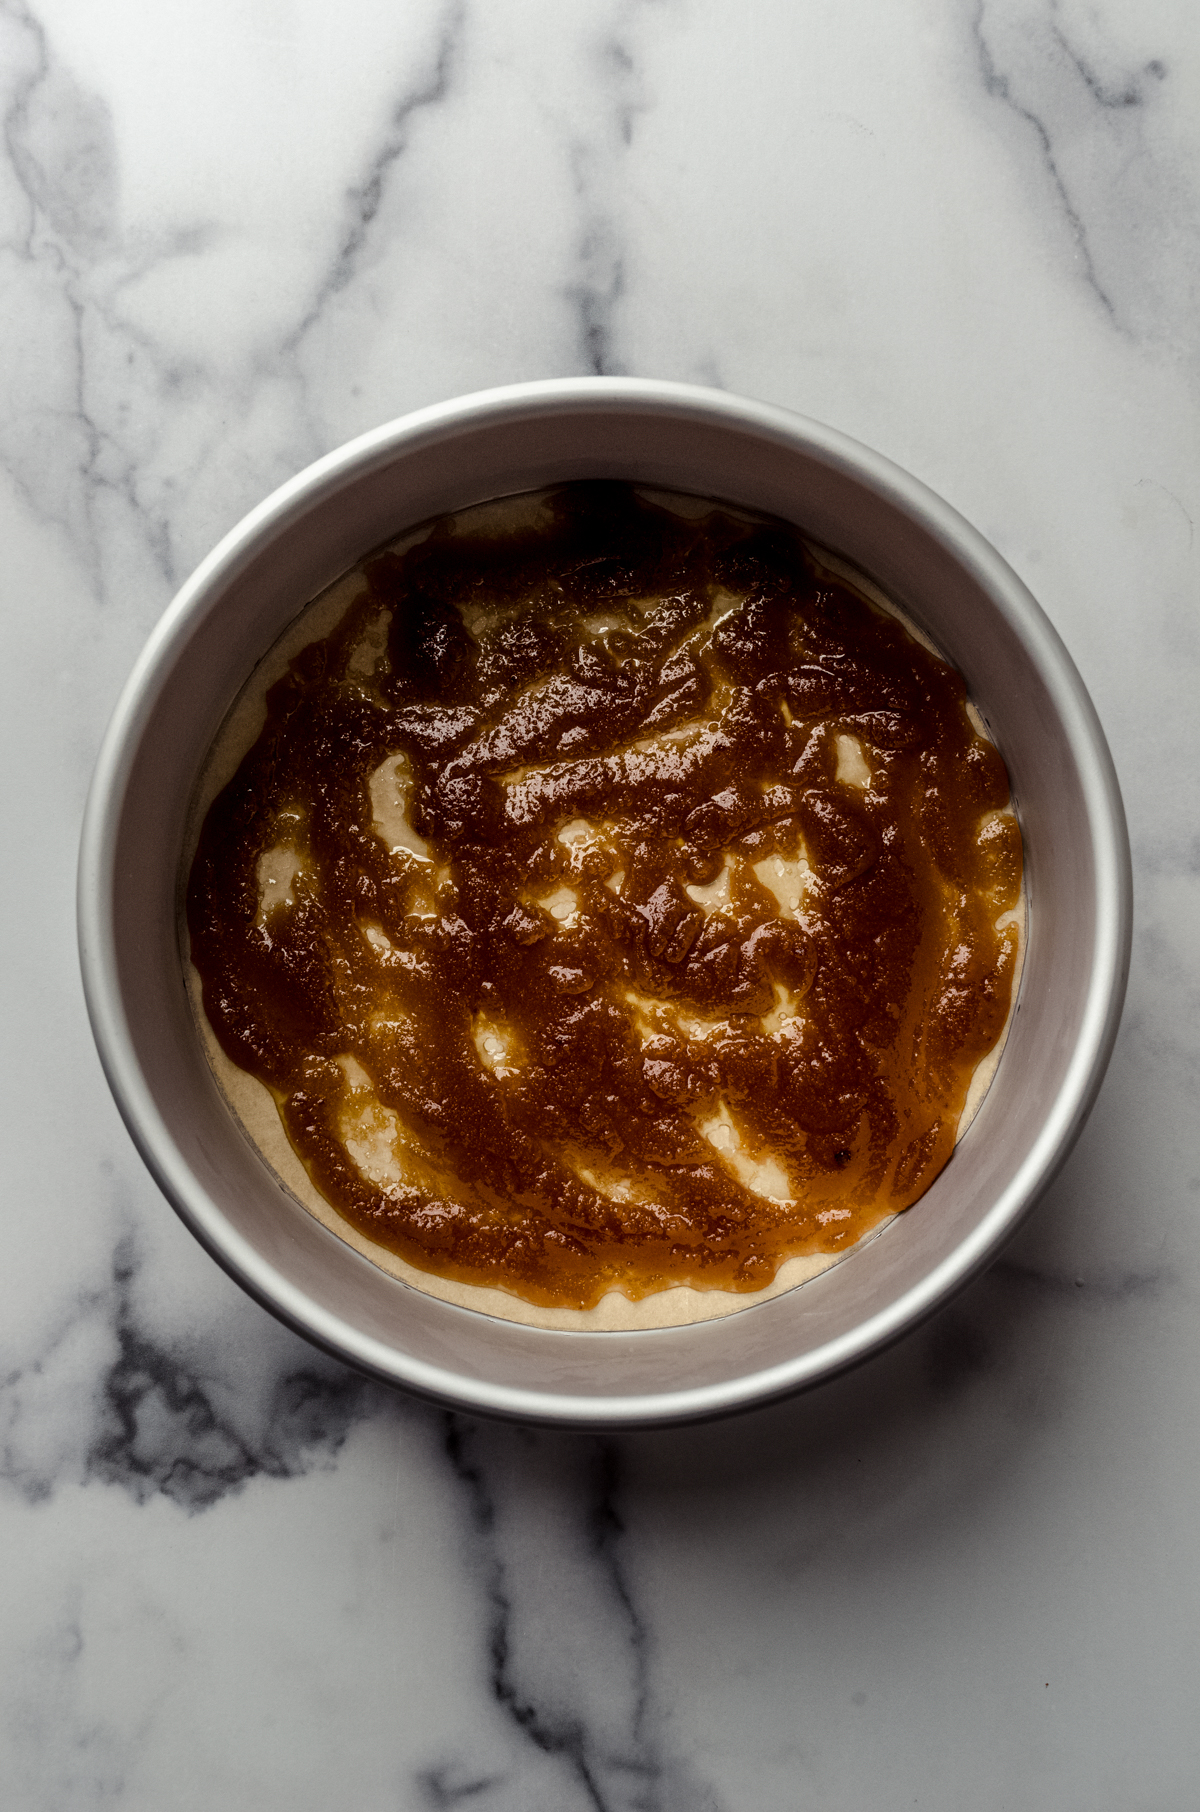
446,1787
95,440
598,289
598,173
366,197
62,145
1152,484
603,172
1127,91
157,1421
62,154
568,1648
565,1737
1121,184
1003,86
75,200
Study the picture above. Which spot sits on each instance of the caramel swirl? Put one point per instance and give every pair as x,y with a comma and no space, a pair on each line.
612,903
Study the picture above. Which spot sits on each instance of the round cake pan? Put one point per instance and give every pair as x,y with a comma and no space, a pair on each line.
933,564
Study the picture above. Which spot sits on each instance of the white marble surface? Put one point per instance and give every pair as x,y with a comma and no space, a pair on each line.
233,1575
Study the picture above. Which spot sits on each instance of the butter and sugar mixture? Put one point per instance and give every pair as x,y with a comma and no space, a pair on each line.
613,899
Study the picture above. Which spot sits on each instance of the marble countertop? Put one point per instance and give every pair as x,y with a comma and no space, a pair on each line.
234,1574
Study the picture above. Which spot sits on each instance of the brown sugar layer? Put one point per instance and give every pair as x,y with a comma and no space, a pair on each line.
611,902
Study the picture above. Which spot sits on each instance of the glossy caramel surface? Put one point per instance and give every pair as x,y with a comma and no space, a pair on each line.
611,902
